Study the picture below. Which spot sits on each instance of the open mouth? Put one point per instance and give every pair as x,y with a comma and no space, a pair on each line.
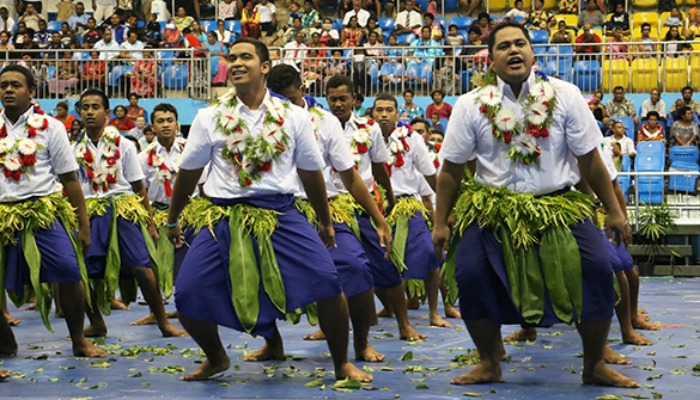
515,62
237,74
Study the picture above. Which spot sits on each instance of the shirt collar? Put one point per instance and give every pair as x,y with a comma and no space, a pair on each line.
241,106
21,120
506,90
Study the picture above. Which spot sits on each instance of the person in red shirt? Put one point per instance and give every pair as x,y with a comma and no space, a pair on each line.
123,123
587,44
439,107
63,116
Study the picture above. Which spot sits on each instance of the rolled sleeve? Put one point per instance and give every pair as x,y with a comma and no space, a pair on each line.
131,162
307,155
580,126
61,155
338,146
199,149
460,138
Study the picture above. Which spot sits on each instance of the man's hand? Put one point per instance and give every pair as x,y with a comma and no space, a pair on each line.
84,238
175,236
385,238
153,232
441,239
327,234
619,225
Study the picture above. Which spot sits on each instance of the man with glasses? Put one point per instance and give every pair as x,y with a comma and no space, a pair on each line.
619,106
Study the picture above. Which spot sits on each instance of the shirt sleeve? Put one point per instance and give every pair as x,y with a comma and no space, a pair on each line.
460,138
378,153
580,127
338,146
130,162
143,161
307,155
199,149
61,155
422,160
608,161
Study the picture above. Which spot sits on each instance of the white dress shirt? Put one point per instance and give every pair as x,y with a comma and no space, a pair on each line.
294,52
133,49
574,132
409,19
156,189
377,152
54,157
626,144
265,12
659,107
128,169
418,163
362,17
112,45
205,143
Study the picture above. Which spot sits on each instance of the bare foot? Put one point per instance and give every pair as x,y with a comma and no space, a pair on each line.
87,349
409,333
4,374
451,312
350,371
318,335
479,374
522,335
602,375
641,323
171,331
30,307
116,304
206,370
149,319
635,338
383,313
369,354
12,321
642,311
612,357
58,314
95,331
436,320
413,303
266,353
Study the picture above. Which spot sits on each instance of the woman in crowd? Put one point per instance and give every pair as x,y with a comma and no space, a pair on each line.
684,132
123,123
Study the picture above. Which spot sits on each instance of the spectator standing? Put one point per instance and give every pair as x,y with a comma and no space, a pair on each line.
620,136
268,16
591,15
651,130
687,100
438,106
684,131
620,106
654,103
103,9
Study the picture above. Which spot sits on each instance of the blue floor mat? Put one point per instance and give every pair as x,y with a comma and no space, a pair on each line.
145,365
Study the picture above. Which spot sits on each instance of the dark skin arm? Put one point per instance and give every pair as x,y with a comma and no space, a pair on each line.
185,183
447,187
381,176
140,189
70,183
315,189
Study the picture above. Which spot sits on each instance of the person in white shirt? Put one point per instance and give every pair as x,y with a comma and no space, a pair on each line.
159,8
107,43
295,51
268,16
112,180
654,103
78,21
131,46
9,5
254,195
518,11
620,136
103,9
407,20
546,165
7,23
36,145
223,35
31,17
228,9
359,12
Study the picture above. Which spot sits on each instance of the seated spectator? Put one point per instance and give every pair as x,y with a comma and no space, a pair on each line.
313,70
198,32
250,21
436,28
152,34
228,10
409,109
294,12
454,39
568,6
337,65
42,37
357,107
329,36
7,23
172,37
692,28
31,17
424,49
316,42
5,42
268,16
131,47
353,34
145,76
63,115
591,15
620,106
149,135
435,125
686,100
654,103
68,37
55,44
619,136
75,130
295,51
94,72
651,130
182,20
118,30
408,20
218,65
675,19
562,34
517,12
684,131
618,45
223,35
391,72
92,34
446,75
292,31
484,25
619,18
539,18
27,44
134,110
677,45
310,18
120,121
438,106
138,131
373,26
588,44
374,48
18,36
107,43
357,11
647,48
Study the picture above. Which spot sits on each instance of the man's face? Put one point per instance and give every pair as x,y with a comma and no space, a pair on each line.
386,114
92,112
619,129
654,95
340,101
356,4
646,31
107,35
133,37
245,65
165,125
181,12
373,38
140,122
425,33
30,8
114,19
42,25
3,13
299,37
408,97
133,101
422,130
512,56
56,38
652,121
14,91
307,7
590,5
79,8
437,97
619,95
687,95
91,23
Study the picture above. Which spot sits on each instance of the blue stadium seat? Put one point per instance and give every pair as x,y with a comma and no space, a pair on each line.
539,37
53,26
117,72
235,27
680,183
649,162
162,25
423,5
338,24
461,22
443,122
466,79
624,181
175,77
405,37
628,123
167,58
387,24
670,120
626,163
208,25
587,75
651,189
443,22
450,5
683,153
657,148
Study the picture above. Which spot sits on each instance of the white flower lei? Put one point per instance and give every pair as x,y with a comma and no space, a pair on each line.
18,155
106,174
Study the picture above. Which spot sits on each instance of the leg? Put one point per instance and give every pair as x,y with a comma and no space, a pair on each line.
8,344
149,287
207,337
622,309
432,284
594,335
4,374
72,301
57,300
360,306
6,313
273,349
150,319
638,320
450,311
117,304
526,333
397,300
486,336
386,312
333,318
97,327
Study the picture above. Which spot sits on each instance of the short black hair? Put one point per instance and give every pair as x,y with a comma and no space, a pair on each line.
63,105
28,76
687,88
260,47
120,107
507,24
337,81
163,107
408,91
283,76
683,110
132,94
95,92
420,121
428,14
386,97
474,29
652,114
618,87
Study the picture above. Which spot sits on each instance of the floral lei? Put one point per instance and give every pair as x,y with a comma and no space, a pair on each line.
538,108
17,156
361,140
398,146
252,155
106,174
165,173
434,149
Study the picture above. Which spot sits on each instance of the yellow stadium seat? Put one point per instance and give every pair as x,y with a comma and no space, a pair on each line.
572,34
615,73
695,71
499,5
664,31
646,74
641,17
675,73
549,4
570,19
646,3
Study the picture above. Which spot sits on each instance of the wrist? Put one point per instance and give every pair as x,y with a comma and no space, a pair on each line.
172,225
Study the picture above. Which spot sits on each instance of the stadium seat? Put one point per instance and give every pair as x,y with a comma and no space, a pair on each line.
443,22
641,17
683,183
53,26
587,75
444,122
208,25
175,77
338,24
461,22
651,189
651,149
466,79
645,3
628,123
570,19
615,73
675,74
167,58
646,74
405,37
423,4
572,33
684,154
550,4
496,5
624,181
539,37
450,5
235,27
387,24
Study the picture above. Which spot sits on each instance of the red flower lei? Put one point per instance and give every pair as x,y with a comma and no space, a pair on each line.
18,156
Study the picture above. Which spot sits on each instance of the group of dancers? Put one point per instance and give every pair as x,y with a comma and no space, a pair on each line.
275,207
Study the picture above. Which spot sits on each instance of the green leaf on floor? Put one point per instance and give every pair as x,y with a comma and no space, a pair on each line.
608,397
100,364
472,394
408,356
422,386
